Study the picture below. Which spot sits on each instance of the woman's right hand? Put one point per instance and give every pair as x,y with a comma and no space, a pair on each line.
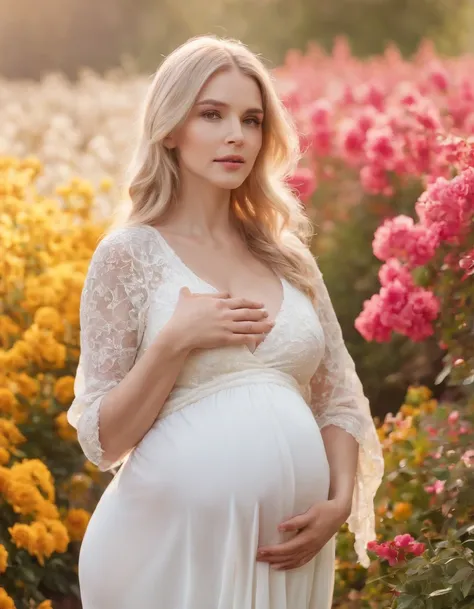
205,321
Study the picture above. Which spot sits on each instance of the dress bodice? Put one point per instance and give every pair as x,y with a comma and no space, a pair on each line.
293,348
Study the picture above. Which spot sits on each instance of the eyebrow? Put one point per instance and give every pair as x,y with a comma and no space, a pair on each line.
215,102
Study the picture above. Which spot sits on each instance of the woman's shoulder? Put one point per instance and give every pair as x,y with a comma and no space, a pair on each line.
131,248
139,241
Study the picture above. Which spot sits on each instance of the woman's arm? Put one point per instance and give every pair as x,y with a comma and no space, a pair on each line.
117,398
343,415
342,451
131,407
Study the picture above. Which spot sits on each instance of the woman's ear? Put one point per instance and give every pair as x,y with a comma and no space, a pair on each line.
169,142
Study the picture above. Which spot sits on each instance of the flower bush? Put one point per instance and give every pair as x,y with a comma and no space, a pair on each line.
425,513
47,491
372,130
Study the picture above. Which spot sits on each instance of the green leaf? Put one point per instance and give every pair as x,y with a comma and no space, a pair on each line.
461,575
466,586
405,601
440,592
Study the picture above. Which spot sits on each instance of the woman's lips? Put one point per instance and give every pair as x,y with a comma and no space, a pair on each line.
230,164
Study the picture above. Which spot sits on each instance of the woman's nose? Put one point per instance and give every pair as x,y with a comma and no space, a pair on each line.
235,134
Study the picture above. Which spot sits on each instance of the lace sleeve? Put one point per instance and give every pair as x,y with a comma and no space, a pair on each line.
337,398
113,309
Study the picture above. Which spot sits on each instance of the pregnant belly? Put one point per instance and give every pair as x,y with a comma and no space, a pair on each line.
256,444
200,493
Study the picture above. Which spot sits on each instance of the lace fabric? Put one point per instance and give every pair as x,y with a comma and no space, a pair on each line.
132,286
337,398
114,304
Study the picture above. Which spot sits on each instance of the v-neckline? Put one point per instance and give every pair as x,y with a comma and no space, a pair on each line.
189,270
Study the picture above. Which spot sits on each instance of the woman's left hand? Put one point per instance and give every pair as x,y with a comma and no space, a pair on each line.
315,528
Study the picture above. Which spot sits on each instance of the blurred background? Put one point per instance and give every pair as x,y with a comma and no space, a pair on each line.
66,35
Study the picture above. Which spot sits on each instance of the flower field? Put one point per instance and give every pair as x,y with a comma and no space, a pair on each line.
389,138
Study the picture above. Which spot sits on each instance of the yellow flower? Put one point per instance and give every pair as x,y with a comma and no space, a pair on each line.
429,407
76,523
45,605
36,473
10,431
7,401
6,602
418,394
60,534
45,543
47,318
4,456
47,510
407,410
3,559
26,385
23,536
64,390
23,497
5,477
402,511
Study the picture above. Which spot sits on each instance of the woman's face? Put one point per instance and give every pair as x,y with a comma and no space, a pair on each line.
225,120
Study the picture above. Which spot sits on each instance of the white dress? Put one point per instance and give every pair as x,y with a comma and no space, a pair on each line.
235,450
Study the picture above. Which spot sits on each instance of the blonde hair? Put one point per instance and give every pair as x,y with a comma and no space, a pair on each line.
268,214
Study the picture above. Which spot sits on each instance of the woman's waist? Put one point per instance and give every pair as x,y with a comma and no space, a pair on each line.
182,396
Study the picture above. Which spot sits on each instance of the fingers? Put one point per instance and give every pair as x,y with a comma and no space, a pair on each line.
294,563
250,340
251,327
243,303
249,314
293,546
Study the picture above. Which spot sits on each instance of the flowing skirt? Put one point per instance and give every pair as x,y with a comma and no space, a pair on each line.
180,524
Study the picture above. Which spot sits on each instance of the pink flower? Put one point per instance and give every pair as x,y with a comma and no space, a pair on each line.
372,94
399,237
416,319
351,140
380,144
403,541
321,112
321,140
369,322
453,417
374,180
303,181
439,77
436,488
397,551
418,548
447,206
393,269
390,239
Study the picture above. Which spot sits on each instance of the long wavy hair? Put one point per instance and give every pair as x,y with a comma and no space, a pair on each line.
268,215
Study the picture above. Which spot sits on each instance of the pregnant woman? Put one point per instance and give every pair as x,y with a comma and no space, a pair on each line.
213,369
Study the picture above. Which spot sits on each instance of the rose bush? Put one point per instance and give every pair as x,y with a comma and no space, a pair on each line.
373,130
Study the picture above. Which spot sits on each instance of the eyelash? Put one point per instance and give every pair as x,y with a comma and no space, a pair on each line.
257,122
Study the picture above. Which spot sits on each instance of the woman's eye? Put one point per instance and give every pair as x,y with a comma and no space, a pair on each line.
210,114
254,120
